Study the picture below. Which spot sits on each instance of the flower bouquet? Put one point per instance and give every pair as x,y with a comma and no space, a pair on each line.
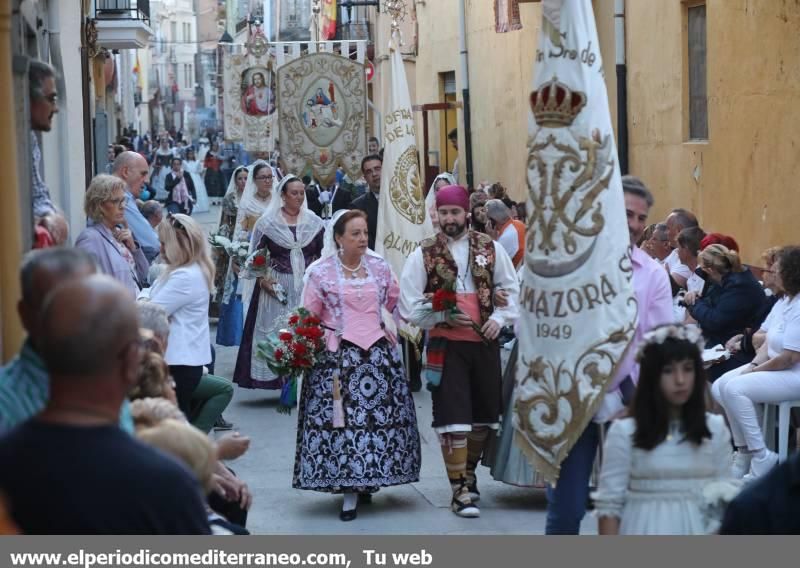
716,496
257,266
445,300
292,352
238,250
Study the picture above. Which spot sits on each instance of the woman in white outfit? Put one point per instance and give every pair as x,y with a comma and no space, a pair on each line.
773,376
195,169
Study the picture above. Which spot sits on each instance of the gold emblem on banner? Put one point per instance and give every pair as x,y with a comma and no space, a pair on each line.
405,188
566,177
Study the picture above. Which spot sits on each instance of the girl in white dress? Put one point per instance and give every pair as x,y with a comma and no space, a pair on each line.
195,168
657,462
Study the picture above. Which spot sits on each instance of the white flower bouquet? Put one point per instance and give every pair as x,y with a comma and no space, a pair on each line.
238,250
716,496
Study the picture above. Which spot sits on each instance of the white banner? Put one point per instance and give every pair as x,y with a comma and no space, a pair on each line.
403,220
578,307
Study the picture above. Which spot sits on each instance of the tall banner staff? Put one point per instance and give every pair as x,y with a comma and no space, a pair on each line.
403,220
578,309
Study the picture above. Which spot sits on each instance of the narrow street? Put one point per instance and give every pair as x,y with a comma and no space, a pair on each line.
421,508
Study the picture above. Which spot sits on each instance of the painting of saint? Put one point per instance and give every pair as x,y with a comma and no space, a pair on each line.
258,99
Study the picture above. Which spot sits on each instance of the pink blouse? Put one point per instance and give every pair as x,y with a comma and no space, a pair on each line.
351,307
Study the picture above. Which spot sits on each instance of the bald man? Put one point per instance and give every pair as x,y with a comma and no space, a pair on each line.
132,168
24,382
75,471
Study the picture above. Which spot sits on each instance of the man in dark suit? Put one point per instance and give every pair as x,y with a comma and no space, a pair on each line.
771,505
318,197
368,203
174,203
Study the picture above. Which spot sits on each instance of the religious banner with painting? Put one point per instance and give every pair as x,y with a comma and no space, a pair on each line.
579,311
322,108
249,83
506,16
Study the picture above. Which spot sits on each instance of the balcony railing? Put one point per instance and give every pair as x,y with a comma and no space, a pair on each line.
123,9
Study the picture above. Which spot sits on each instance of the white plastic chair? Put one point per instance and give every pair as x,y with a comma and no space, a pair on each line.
784,421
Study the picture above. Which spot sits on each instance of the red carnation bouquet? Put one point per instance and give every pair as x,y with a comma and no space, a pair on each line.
258,265
445,299
293,351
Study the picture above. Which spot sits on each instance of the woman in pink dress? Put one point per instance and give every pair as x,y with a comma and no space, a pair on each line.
357,427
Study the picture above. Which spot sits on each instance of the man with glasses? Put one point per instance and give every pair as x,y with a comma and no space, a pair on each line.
657,246
44,105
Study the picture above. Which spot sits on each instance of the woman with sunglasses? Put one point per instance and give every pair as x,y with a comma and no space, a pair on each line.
293,234
107,237
255,199
183,290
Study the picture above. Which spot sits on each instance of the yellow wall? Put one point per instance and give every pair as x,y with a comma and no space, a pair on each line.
742,181
501,73
11,333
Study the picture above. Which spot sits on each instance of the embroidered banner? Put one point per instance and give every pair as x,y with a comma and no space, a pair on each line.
506,16
322,106
249,99
403,220
578,311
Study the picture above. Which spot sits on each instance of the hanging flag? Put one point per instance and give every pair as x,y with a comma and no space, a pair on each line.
506,16
403,220
328,19
579,311
137,70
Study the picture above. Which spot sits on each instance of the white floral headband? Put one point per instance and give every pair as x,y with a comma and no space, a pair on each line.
660,334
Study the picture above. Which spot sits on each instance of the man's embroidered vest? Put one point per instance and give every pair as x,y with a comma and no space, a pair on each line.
442,269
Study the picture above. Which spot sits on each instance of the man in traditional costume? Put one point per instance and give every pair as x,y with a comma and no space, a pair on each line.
464,371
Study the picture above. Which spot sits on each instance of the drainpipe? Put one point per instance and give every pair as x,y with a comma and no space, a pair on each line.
622,86
462,44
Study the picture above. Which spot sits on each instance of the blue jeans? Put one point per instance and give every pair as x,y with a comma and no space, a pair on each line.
566,504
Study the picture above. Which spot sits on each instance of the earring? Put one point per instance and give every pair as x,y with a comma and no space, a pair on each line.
341,251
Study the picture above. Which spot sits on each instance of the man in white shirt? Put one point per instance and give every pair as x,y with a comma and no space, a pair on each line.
678,220
463,367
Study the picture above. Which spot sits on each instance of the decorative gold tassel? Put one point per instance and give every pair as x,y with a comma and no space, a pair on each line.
338,409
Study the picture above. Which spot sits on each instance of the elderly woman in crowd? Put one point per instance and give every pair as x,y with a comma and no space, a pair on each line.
732,304
743,346
357,427
183,290
773,376
197,453
442,180
292,234
107,238
226,282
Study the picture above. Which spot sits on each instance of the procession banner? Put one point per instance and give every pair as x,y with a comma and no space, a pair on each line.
506,16
322,109
579,311
403,220
249,84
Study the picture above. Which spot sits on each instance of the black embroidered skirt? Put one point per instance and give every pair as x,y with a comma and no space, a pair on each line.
379,445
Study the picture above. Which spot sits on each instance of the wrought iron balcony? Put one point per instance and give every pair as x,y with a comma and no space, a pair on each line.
122,24
123,9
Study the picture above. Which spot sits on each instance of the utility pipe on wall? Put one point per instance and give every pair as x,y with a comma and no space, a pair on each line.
462,44
622,85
